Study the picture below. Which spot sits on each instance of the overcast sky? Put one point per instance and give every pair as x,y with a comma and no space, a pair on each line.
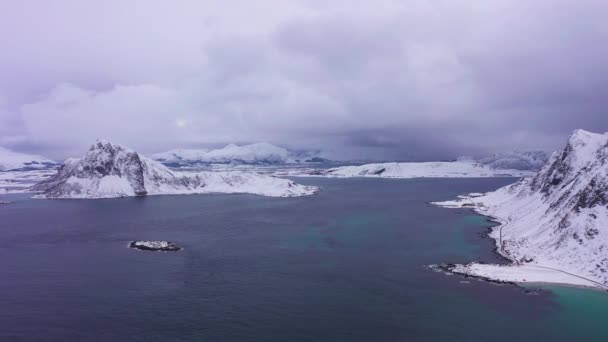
384,79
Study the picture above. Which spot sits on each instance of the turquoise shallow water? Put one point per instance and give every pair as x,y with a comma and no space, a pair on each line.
348,264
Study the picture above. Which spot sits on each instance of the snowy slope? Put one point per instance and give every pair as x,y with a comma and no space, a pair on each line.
557,219
10,160
109,170
457,169
258,153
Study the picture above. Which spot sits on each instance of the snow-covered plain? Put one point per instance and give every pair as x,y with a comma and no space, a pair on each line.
556,220
109,171
456,169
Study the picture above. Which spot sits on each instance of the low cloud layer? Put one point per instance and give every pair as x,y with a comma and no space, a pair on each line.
383,79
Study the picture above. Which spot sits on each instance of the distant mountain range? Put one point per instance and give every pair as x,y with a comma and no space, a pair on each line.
515,160
10,160
253,154
266,154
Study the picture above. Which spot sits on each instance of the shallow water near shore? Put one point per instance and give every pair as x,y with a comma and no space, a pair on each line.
348,264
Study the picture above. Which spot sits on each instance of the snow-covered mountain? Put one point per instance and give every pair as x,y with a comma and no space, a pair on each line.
10,160
181,155
456,169
258,153
556,221
516,160
108,170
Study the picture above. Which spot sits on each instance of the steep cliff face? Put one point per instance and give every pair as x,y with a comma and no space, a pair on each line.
108,170
559,217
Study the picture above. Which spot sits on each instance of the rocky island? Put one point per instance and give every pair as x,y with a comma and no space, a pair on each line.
163,246
108,171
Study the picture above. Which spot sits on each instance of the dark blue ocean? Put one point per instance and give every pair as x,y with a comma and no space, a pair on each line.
348,264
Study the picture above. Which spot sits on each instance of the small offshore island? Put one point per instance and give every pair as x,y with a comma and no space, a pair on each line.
163,246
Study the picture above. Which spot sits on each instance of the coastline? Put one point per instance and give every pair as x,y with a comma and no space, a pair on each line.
514,272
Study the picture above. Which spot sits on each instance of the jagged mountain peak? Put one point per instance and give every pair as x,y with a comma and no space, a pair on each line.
106,145
576,162
581,135
583,145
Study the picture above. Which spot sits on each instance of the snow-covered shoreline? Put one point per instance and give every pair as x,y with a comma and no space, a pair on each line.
514,272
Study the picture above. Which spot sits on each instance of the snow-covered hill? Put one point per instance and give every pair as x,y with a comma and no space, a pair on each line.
258,154
556,220
10,160
109,170
457,169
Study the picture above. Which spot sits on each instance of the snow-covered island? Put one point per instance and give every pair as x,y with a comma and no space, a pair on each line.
454,169
163,246
108,170
554,225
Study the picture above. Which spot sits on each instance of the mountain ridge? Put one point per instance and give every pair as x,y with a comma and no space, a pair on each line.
256,154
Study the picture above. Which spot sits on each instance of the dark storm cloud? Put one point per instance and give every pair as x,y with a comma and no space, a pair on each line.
384,79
